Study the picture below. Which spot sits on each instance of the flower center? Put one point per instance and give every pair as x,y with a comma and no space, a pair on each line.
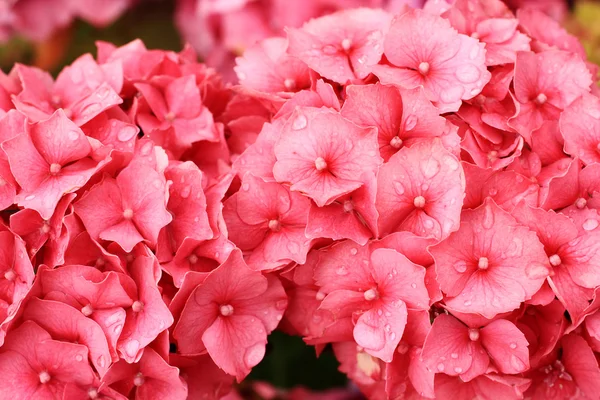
10,275
128,213
320,164
424,68
290,84
554,260
580,203
87,310
483,263
138,380
275,225
474,334
226,310
348,206
396,142
137,306
44,377
55,168
346,44
540,99
419,201
371,294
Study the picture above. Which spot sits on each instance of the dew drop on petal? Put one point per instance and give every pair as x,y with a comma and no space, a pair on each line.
102,361
458,370
300,122
513,346
430,168
398,188
590,224
330,50
185,192
536,271
467,73
454,355
30,197
411,122
460,266
488,217
254,354
78,358
126,133
440,367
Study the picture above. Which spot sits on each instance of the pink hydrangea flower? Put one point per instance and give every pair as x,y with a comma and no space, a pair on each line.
225,316
343,46
269,221
50,159
472,264
135,210
316,159
420,190
451,69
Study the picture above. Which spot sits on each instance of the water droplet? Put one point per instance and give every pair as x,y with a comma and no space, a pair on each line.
460,266
515,249
410,123
392,336
536,271
101,361
454,355
513,346
146,149
590,224
413,285
330,50
387,327
488,217
78,358
185,192
245,186
103,92
354,251
126,133
440,367
30,197
450,162
254,354
467,303
300,122
131,348
398,188
458,370
467,73
430,168
341,271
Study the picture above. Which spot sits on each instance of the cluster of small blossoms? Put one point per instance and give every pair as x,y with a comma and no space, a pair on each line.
427,190
418,189
220,30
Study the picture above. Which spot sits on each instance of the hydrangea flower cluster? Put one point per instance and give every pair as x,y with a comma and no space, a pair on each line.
418,189
220,30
